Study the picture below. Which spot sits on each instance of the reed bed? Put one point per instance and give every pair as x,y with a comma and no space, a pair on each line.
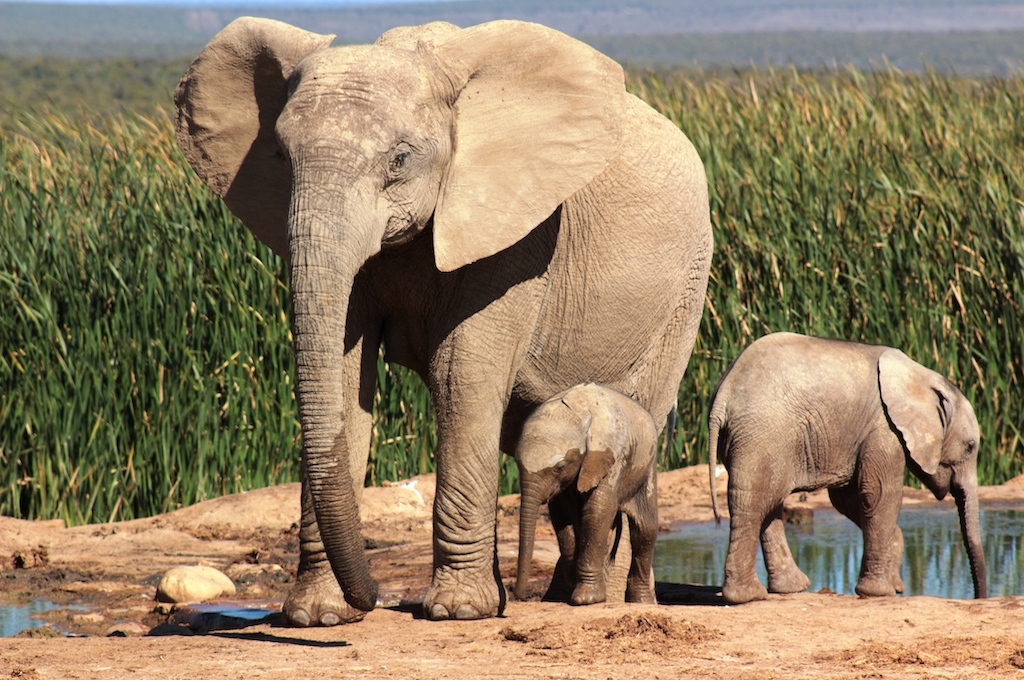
884,207
145,357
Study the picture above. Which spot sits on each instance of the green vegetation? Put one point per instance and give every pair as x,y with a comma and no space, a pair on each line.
106,86
884,208
145,360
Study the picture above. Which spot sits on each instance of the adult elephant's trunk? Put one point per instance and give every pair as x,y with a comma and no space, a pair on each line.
966,495
325,256
531,499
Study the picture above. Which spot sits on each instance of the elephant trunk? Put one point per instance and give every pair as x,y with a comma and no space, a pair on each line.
966,496
531,499
323,266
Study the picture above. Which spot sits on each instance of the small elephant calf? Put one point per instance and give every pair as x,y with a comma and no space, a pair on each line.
589,453
795,413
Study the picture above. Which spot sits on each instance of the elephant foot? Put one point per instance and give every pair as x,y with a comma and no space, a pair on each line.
641,594
588,593
463,594
317,600
897,582
789,581
872,586
734,593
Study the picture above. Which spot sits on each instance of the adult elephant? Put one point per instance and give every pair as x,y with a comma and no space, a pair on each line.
490,205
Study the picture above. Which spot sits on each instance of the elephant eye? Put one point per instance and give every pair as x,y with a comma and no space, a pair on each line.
398,162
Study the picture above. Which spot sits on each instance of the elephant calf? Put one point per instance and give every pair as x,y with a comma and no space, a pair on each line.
796,413
589,452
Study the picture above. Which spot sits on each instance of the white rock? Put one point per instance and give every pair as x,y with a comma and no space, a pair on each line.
193,584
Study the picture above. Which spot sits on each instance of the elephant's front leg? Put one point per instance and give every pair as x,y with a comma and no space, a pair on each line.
466,583
596,519
316,598
563,508
880,501
469,381
846,500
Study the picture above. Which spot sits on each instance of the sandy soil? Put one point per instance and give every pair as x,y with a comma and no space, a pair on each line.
112,570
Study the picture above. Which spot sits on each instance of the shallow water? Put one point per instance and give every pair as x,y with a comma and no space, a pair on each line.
198,618
829,550
15,619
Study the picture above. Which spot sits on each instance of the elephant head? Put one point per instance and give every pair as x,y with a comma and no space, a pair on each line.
939,432
330,155
565,444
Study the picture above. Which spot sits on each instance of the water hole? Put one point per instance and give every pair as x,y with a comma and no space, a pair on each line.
828,549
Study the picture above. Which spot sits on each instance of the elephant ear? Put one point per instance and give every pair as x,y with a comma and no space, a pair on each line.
918,404
227,106
538,115
596,466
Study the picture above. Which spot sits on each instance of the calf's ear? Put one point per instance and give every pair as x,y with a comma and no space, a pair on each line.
596,466
918,403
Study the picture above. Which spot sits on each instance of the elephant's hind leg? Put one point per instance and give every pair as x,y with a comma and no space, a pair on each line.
745,525
783,574
643,533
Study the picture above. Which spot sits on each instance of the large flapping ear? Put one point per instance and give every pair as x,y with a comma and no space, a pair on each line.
918,404
538,115
227,105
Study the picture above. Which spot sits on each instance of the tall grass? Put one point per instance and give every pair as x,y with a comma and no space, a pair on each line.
145,357
145,354
884,208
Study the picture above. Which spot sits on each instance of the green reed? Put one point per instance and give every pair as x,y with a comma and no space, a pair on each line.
885,208
145,357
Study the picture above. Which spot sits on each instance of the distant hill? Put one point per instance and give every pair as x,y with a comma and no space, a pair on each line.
968,37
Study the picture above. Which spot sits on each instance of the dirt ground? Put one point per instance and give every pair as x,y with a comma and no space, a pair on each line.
106,575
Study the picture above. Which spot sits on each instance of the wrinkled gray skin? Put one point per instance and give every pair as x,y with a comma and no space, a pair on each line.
796,413
490,205
589,453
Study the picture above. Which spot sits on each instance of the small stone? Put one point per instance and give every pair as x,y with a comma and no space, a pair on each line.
193,584
127,629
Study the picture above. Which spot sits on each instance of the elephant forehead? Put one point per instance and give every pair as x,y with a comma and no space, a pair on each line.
547,458
543,449
367,96
377,74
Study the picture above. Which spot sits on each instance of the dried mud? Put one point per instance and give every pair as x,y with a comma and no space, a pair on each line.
103,577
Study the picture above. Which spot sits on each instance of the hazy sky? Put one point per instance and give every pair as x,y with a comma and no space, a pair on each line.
229,3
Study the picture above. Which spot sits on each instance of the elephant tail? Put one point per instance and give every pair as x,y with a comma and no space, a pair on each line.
714,426
670,430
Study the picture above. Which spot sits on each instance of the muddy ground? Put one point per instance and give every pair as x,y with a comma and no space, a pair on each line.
110,571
